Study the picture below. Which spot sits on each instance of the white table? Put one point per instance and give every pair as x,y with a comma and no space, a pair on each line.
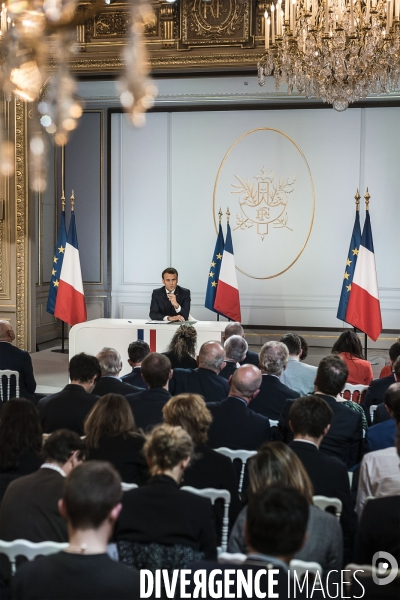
92,336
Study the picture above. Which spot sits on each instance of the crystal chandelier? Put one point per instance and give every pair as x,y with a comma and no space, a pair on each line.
335,50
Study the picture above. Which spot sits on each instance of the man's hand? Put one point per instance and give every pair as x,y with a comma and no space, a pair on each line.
172,299
177,318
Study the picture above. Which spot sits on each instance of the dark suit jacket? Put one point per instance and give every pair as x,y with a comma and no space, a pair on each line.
112,385
29,509
382,435
66,409
135,378
376,390
329,478
15,359
228,370
160,512
236,426
147,406
205,382
381,414
344,438
161,307
378,530
251,358
125,453
272,396
28,463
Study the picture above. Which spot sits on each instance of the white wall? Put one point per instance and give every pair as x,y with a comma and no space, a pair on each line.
162,183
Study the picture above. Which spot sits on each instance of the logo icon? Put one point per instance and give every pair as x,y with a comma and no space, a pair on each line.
386,568
263,202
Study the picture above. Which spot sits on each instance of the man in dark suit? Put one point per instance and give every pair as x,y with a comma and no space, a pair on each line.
273,394
235,351
147,405
205,379
68,409
233,328
377,388
383,434
29,509
170,302
310,419
14,359
345,436
137,351
109,383
234,424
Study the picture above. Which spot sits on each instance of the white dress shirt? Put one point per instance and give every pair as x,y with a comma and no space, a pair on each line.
177,310
379,476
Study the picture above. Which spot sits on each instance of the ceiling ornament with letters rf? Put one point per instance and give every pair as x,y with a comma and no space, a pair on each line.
338,51
265,180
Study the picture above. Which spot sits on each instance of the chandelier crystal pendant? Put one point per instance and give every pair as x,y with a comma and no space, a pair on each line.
337,51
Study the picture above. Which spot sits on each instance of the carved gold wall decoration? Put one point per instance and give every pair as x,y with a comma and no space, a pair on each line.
113,24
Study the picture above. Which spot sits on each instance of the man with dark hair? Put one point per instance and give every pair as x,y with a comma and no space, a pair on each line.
234,328
273,393
137,351
69,408
170,302
15,359
345,436
377,388
235,351
310,419
383,433
29,509
298,375
234,424
205,379
147,404
83,571
111,364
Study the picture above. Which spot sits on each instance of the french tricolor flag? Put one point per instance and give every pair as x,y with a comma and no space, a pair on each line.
227,301
363,310
70,304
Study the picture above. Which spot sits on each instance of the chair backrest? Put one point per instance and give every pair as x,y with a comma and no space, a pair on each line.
128,486
4,397
323,502
354,388
213,494
29,549
372,410
242,455
301,567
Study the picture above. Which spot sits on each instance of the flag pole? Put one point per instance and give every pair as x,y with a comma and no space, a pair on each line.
62,322
366,197
228,214
220,219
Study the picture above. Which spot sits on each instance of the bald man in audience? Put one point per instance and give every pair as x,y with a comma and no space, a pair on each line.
234,424
251,357
14,359
205,379
235,352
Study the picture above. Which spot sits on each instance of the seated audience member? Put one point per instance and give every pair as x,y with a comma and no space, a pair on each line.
381,413
160,524
111,434
348,347
147,405
207,467
68,408
356,407
235,350
234,424
251,357
310,419
137,351
380,469
20,441
15,359
109,383
204,380
273,393
29,509
276,464
345,436
83,571
304,348
377,388
387,369
182,348
298,376
383,434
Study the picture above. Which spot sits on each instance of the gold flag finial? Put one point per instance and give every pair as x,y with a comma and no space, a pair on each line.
367,197
63,201
220,215
72,201
228,214
357,199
